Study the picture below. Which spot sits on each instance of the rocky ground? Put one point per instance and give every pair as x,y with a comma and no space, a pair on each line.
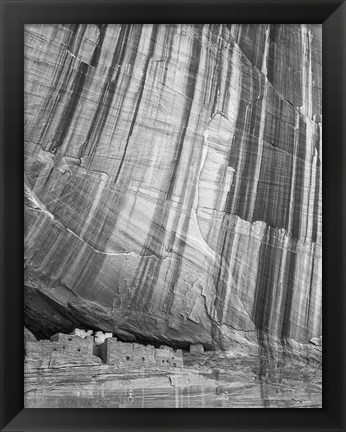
209,380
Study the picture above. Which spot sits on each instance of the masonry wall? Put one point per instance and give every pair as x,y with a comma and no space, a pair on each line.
138,356
62,349
73,345
166,356
81,349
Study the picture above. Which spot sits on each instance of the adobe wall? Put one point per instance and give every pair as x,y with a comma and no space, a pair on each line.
84,348
101,336
134,355
62,348
82,333
166,356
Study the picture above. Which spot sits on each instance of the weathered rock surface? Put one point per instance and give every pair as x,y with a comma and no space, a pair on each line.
210,380
173,182
28,336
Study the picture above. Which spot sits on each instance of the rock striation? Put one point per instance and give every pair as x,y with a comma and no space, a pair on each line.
65,372
173,182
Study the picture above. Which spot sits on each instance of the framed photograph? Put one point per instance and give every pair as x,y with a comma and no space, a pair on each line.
174,205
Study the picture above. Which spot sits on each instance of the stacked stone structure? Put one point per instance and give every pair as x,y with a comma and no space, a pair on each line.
62,349
135,355
84,347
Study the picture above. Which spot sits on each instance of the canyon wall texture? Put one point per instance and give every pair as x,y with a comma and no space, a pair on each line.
173,182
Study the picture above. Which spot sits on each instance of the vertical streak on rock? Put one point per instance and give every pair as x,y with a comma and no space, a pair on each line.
217,76
162,213
95,204
180,245
190,91
49,109
68,113
311,193
315,210
107,94
221,269
295,162
273,30
77,38
307,75
259,155
226,245
149,268
118,199
298,218
262,300
287,303
51,102
139,97
308,327
97,52
266,47
227,94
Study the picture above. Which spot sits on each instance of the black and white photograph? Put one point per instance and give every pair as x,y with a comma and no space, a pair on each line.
173,215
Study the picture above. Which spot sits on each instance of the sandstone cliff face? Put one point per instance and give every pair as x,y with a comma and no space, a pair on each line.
173,181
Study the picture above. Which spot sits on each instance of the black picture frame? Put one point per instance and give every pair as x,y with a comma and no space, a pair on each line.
14,14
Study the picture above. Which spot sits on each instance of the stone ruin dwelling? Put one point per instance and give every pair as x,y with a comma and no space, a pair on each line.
135,355
84,347
61,349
